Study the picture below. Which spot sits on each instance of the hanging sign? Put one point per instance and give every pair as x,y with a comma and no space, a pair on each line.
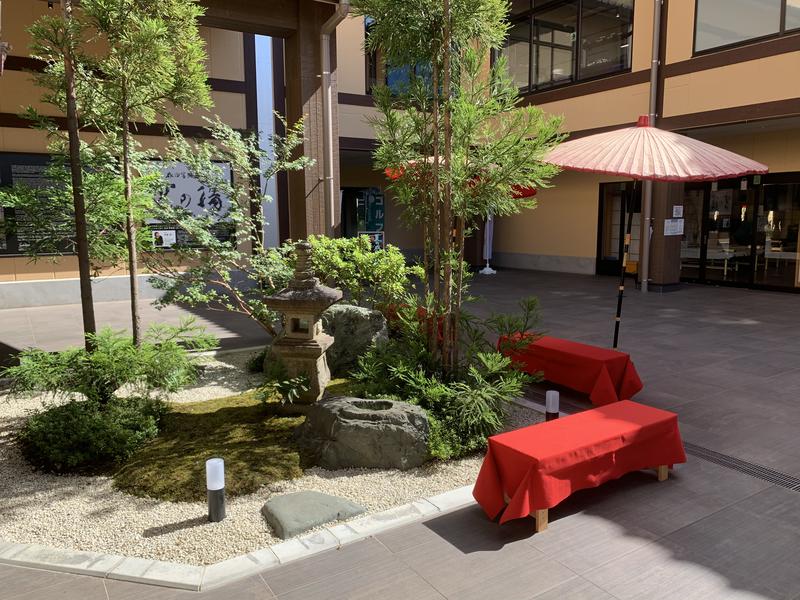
376,239
673,226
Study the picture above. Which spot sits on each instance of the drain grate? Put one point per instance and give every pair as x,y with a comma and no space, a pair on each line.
760,472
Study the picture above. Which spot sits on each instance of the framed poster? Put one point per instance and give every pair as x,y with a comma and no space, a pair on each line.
18,232
164,238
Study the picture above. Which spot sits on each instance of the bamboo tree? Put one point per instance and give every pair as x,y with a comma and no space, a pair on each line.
476,147
153,63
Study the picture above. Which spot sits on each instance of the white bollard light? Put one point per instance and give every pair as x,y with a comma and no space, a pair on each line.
551,405
215,484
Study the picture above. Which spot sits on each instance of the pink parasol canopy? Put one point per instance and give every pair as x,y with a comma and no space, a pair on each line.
645,152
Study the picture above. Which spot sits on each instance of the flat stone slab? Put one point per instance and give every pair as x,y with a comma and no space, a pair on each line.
292,514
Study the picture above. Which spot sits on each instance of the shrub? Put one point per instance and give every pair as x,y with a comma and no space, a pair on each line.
84,435
464,408
160,363
370,278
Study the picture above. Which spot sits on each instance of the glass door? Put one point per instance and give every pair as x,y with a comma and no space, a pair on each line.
730,236
611,224
778,223
693,250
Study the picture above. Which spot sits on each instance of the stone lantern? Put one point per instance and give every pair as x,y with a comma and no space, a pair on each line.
303,344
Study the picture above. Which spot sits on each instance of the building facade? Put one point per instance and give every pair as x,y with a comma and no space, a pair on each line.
727,75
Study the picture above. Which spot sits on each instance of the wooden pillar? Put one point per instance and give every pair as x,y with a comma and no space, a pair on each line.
665,251
304,100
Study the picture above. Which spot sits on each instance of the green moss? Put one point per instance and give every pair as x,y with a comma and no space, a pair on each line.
257,449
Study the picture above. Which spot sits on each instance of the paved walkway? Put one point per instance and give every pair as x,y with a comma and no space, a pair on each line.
726,360
58,327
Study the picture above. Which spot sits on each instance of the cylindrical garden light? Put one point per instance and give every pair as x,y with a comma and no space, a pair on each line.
551,405
215,484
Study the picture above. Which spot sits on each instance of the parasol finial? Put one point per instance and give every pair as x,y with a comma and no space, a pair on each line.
644,121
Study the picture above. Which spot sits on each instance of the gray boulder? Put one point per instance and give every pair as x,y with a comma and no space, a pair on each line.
354,329
354,432
292,514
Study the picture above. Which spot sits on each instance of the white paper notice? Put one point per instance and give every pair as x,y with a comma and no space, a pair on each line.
677,212
673,226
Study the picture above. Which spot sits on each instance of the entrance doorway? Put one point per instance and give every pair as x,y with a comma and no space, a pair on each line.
611,224
743,232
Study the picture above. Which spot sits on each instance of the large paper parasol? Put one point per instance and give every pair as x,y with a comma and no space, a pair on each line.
648,153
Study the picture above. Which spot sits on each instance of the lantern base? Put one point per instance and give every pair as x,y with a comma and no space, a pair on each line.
216,505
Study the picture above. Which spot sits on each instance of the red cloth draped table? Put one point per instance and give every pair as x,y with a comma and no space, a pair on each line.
536,467
605,375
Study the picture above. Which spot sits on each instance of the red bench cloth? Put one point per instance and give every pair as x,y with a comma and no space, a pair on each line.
605,375
538,466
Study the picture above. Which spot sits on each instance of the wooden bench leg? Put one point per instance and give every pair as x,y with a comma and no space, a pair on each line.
663,472
541,520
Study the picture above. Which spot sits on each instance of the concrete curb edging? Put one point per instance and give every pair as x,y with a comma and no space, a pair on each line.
197,578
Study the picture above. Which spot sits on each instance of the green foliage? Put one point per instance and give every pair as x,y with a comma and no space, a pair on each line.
278,383
464,406
514,332
233,273
411,33
455,138
160,364
152,58
371,278
83,435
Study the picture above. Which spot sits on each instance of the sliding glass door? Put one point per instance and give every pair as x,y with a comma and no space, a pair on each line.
737,232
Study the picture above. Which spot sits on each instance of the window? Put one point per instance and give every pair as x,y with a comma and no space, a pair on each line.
606,36
554,44
569,41
518,53
720,23
396,78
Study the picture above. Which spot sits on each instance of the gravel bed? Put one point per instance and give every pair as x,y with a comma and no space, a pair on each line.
87,513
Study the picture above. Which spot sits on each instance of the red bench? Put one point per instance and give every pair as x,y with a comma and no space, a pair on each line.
605,375
530,470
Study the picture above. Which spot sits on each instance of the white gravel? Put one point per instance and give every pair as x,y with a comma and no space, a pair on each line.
87,513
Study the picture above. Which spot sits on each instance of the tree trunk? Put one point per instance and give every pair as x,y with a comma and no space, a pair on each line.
78,200
459,288
447,205
133,262
425,257
435,245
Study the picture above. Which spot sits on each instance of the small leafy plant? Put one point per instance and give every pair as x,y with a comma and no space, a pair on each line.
160,364
86,436
370,278
279,384
464,407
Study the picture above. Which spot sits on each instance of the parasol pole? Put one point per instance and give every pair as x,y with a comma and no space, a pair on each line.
629,213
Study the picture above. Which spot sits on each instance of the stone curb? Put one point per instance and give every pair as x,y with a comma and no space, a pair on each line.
197,578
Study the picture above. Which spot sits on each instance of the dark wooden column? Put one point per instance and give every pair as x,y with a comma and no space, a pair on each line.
304,100
665,251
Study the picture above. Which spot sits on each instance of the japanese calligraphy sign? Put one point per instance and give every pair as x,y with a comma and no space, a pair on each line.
184,190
